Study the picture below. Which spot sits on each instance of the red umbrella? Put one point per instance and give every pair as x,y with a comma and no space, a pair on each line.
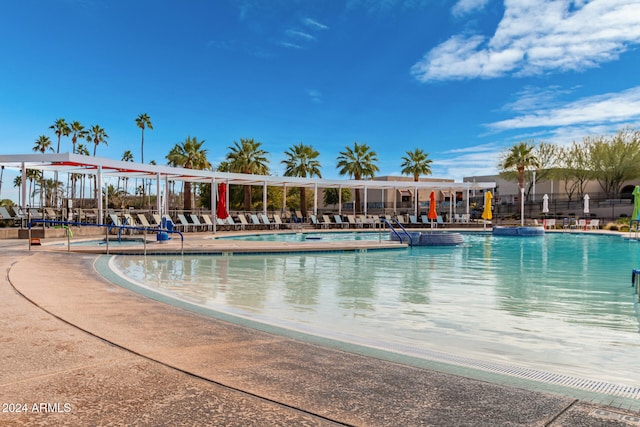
432,206
221,211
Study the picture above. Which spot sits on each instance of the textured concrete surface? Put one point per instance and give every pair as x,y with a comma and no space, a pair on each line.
79,350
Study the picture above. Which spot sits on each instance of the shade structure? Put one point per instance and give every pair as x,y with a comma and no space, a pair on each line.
221,210
545,204
486,213
586,204
432,214
636,202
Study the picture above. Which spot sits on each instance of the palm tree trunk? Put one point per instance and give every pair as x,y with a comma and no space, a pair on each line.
303,201
357,202
247,198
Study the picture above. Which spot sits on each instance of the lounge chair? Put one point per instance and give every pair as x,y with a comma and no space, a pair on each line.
338,220
594,224
266,222
142,220
235,225
352,221
326,221
128,220
208,224
413,221
299,217
439,221
314,221
5,215
184,224
196,224
157,220
550,223
277,221
243,221
255,221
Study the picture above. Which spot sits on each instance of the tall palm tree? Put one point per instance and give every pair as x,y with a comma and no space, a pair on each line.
143,121
127,156
520,157
247,157
358,162
302,161
416,163
42,144
60,128
98,136
17,182
77,131
84,151
189,154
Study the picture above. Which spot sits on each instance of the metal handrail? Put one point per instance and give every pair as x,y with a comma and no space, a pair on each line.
396,233
108,229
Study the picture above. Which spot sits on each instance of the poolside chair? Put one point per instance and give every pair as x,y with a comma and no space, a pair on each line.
550,223
413,221
128,220
439,221
299,217
255,221
52,214
351,219
266,222
184,224
196,224
157,221
326,221
277,221
580,224
314,221
142,220
5,215
233,224
243,221
338,220
208,224
364,221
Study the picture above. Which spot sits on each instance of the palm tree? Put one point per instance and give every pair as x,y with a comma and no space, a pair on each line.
247,157
520,157
60,128
42,144
302,161
84,151
127,156
416,163
189,154
98,136
358,162
143,121
77,131
17,182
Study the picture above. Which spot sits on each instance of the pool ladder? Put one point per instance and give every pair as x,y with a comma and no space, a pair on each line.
404,230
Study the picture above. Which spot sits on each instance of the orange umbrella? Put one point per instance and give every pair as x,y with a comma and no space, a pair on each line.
432,206
221,210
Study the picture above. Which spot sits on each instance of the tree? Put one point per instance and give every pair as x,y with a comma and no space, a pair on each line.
77,131
416,163
42,144
520,157
331,196
84,151
127,156
574,168
98,136
143,121
189,154
247,157
301,161
615,161
358,162
60,128
17,182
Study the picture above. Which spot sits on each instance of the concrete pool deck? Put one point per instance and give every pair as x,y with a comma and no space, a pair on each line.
79,350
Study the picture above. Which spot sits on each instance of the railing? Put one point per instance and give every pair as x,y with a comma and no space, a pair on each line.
396,233
108,228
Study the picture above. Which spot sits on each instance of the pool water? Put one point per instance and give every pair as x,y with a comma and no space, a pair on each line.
560,302
312,237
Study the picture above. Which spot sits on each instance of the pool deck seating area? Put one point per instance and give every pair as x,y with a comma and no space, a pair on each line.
100,354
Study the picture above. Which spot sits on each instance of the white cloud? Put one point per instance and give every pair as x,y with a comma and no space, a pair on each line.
465,7
300,35
535,37
616,108
311,23
315,95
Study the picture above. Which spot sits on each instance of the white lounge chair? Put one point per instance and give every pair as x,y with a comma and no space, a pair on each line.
339,221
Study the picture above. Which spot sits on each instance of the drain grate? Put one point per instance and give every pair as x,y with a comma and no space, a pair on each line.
603,387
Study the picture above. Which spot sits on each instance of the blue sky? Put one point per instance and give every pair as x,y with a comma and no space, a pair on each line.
463,80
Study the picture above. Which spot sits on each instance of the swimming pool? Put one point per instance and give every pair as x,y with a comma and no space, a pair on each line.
334,236
561,302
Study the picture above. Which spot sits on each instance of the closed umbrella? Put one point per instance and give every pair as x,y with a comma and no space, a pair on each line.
586,204
221,210
545,204
432,214
486,213
636,203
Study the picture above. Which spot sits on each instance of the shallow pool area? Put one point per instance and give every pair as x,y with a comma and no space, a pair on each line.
561,303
